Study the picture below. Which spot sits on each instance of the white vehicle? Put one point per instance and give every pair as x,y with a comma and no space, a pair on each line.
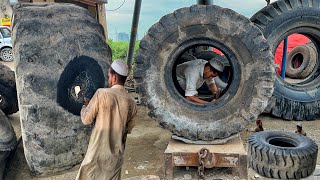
5,44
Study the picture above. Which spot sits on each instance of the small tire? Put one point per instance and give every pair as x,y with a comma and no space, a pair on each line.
282,155
6,54
301,54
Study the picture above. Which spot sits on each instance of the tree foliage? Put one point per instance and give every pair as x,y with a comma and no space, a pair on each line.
120,49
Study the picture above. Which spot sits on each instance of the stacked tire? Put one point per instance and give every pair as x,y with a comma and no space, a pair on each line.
57,47
301,61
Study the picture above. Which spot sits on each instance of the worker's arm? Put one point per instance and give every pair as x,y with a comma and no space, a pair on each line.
213,87
214,90
191,88
196,99
89,112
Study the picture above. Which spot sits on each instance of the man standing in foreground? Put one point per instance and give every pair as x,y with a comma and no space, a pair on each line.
113,110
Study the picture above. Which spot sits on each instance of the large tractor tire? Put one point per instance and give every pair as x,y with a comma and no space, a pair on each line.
277,21
241,42
57,47
282,155
8,91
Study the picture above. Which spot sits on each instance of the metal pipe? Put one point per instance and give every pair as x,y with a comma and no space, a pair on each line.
284,58
134,30
205,2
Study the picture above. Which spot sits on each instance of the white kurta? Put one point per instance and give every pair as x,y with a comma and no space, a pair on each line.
113,110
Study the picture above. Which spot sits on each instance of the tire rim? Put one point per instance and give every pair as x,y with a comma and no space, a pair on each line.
7,55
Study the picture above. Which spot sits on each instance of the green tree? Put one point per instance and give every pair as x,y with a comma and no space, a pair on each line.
120,49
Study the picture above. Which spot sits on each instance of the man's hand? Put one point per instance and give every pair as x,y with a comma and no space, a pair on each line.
86,101
196,99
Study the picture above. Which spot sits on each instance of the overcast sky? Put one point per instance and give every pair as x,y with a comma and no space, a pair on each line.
152,10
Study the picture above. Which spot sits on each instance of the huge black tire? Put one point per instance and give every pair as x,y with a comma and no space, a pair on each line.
8,91
56,47
277,21
282,155
241,42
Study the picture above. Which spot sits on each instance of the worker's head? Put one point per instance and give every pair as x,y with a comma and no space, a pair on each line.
213,68
117,73
259,122
299,127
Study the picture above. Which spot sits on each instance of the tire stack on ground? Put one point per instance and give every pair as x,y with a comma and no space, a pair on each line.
276,21
57,47
241,42
301,61
282,155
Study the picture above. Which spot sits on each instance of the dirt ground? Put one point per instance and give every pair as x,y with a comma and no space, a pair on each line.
145,148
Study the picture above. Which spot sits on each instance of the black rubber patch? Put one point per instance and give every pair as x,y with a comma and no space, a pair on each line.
82,71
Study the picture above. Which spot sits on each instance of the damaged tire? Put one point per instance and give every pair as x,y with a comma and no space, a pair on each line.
57,47
282,155
278,20
8,91
214,26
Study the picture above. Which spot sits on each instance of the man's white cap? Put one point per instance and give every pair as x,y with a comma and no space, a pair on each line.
217,64
299,124
120,67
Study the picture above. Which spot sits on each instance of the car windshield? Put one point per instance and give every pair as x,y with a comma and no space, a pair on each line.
5,32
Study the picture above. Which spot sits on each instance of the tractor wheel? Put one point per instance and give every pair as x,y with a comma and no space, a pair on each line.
57,47
279,20
282,155
243,45
8,92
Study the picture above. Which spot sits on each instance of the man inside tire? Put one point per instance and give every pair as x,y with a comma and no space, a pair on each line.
192,74
113,111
